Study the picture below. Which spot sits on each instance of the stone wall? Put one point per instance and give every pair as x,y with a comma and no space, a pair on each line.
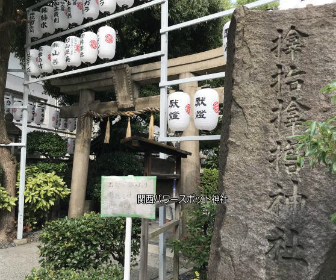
277,222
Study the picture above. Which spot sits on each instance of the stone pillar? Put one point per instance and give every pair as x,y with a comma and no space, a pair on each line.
276,225
81,157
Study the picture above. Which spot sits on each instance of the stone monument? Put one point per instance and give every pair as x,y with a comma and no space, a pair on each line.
276,225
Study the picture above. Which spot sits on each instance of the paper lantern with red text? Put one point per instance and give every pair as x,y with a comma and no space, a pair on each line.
206,109
106,42
178,110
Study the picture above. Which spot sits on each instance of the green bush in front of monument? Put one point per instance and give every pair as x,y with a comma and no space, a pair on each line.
112,272
86,242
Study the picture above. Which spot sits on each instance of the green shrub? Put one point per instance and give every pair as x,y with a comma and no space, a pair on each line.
87,241
102,273
42,190
7,202
46,143
201,219
48,167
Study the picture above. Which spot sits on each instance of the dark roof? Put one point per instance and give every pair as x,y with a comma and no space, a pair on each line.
145,145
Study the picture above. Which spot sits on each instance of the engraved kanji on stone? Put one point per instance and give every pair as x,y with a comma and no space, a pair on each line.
290,42
287,202
284,245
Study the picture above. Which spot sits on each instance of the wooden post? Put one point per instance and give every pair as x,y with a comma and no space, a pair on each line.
190,178
81,157
144,226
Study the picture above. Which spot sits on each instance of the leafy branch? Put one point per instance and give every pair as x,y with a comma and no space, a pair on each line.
319,141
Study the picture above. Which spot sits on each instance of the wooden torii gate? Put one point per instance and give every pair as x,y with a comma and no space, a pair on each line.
126,82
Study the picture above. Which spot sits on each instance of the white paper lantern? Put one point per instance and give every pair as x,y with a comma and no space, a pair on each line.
39,113
72,124
63,124
17,113
47,20
58,61
178,110
107,6
75,12
34,27
8,103
44,59
71,146
60,15
206,109
72,51
55,119
106,42
31,111
91,9
89,47
125,3
225,37
32,68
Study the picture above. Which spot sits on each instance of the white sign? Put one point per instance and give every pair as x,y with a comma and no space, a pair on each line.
122,196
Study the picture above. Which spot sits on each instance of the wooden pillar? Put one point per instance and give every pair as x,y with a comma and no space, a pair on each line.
81,157
190,177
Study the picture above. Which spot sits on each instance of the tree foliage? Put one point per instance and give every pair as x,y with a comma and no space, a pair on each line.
47,144
318,142
7,202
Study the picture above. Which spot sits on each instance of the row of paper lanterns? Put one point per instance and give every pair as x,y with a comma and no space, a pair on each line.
62,123
206,110
72,52
36,114
71,12
36,111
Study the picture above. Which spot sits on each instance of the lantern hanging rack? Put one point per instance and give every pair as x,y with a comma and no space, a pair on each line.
95,22
95,67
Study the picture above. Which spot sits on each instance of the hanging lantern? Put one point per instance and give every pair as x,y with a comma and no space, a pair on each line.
206,109
31,111
47,20
17,113
107,6
75,12
8,103
225,37
60,15
91,9
58,61
55,119
44,59
125,3
88,47
72,51
178,110
32,68
71,146
34,27
63,124
39,113
72,124
106,42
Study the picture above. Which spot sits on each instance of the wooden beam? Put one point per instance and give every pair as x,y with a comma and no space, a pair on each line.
163,228
198,64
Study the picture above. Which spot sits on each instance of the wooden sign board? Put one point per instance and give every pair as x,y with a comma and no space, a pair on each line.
128,196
